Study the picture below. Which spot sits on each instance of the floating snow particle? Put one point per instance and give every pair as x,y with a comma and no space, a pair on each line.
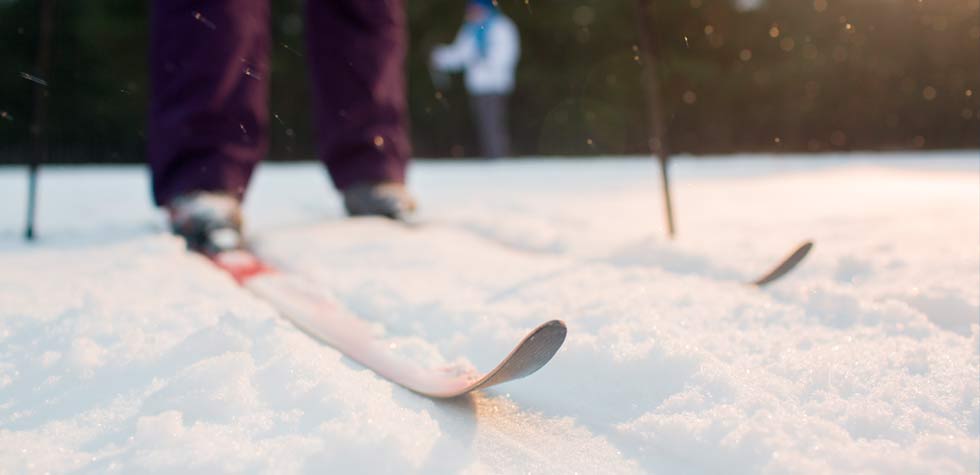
248,71
291,50
583,15
748,5
34,79
201,18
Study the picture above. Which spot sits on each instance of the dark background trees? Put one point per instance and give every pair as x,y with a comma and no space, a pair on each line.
802,75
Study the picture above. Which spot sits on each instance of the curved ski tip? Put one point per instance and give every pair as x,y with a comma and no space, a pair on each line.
557,328
553,323
805,247
553,332
802,251
788,263
532,353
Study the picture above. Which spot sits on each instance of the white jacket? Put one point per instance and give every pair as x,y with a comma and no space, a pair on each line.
492,73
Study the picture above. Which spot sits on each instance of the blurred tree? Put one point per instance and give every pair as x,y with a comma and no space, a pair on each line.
812,75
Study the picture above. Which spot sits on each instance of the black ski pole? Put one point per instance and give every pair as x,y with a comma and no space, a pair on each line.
658,128
38,137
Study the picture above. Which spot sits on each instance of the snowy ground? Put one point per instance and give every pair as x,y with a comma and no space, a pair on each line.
121,353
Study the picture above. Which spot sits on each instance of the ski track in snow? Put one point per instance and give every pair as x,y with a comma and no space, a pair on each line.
121,353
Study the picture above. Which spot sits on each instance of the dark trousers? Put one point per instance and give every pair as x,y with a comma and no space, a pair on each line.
490,115
209,72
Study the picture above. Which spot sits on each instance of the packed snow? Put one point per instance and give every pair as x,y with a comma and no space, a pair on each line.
122,353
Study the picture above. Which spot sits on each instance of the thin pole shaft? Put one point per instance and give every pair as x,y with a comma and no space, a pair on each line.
31,200
38,133
658,127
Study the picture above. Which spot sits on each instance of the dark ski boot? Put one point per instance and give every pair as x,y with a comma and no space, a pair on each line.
210,223
387,199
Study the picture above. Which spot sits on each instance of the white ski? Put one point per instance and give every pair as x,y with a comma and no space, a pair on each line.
318,314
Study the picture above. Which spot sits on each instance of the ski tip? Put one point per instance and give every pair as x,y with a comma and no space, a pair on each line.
555,324
546,340
801,252
554,330
787,264
532,353
805,247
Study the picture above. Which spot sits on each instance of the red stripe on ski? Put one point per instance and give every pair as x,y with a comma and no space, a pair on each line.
241,265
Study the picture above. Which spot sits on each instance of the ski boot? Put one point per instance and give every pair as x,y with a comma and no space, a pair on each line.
210,223
388,199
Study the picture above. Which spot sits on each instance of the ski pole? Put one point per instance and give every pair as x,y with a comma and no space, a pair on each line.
38,141
658,129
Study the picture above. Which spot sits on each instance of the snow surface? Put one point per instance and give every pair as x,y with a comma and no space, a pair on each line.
122,353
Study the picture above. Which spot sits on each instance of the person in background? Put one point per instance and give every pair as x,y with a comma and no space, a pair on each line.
209,114
487,48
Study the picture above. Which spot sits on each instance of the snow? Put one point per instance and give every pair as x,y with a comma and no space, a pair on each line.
121,353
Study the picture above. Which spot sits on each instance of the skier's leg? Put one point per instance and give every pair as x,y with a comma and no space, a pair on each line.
209,85
478,114
357,52
489,117
499,131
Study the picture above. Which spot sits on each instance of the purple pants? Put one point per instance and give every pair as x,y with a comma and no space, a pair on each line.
209,115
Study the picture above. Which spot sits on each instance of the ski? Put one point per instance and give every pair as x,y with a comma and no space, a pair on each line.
324,318
787,264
